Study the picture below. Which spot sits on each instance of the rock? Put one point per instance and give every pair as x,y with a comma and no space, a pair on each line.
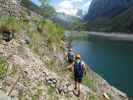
26,40
20,87
70,88
70,93
10,8
5,98
14,93
65,89
54,81
7,35
9,80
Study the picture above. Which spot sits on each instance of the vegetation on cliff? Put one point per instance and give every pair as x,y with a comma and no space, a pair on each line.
36,69
46,42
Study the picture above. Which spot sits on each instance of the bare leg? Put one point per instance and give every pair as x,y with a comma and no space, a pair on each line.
76,85
78,88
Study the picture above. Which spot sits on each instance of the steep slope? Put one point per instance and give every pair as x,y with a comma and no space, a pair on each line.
65,21
10,8
110,16
31,6
107,8
36,71
123,22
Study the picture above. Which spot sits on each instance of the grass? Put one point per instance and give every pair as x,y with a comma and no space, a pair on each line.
34,97
93,97
46,34
54,33
91,83
51,65
10,23
51,90
3,66
40,31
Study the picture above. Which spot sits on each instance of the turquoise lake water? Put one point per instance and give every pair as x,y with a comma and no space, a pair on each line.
113,60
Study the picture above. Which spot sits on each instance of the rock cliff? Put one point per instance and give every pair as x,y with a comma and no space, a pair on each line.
10,7
107,8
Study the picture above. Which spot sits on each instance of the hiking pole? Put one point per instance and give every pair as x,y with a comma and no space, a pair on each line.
13,86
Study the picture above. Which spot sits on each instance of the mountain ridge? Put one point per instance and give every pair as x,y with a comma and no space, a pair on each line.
110,16
107,8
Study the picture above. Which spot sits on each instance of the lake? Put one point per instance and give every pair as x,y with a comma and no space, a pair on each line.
113,60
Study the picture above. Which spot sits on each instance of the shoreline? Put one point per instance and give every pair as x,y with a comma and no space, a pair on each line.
102,83
104,35
120,95
113,36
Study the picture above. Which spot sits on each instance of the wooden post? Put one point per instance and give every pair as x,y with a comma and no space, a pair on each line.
13,86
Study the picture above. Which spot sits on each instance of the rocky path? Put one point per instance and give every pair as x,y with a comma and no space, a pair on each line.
33,75
36,82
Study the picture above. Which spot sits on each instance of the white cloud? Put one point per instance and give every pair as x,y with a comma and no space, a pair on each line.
71,7
86,6
66,7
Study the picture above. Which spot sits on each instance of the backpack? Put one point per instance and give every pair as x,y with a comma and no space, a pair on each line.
78,69
71,56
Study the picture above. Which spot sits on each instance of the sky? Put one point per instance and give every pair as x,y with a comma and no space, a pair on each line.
69,7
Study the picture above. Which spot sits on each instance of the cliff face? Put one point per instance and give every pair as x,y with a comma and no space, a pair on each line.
10,7
107,8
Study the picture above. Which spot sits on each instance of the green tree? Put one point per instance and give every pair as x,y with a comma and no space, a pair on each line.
44,2
47,9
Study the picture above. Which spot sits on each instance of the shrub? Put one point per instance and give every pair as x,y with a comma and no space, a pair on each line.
10,24
54,33
3,66
91,83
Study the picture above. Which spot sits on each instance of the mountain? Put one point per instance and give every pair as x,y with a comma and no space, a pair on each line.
73,7
110,16
107,8
64,20
31,6
122,22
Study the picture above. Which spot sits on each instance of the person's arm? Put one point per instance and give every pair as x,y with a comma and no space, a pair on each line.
70,67
65,56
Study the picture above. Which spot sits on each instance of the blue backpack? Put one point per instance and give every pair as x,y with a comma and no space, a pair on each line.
78,69
71,56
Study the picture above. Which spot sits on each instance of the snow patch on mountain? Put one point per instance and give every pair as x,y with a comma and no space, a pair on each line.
73,7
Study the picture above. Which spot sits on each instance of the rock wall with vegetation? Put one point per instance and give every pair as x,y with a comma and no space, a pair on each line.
109,16
10,7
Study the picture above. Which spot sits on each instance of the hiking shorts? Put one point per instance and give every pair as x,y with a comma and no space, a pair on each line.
78,79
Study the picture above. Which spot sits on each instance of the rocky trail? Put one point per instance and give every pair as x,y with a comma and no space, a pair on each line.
28,78
33,75
40,73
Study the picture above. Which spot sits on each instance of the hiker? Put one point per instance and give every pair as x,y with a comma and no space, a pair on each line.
78,68
70,56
